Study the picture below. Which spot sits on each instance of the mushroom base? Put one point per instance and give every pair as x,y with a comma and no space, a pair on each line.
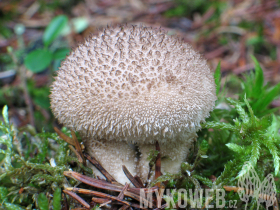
173,154
112,155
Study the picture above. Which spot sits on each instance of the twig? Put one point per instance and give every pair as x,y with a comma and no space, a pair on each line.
74,142
99,200
103,195
139,181
104,200
131,192
77,198
107,202
78,146
76,153
111,185
66,138
121,195
100,168
131,178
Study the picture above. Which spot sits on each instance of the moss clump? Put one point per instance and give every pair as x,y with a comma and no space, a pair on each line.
32,167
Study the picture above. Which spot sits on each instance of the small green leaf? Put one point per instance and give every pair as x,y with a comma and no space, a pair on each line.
37,60
243,115
217,77
220,125
259,77
57,199
43,202
255,153
250,110
269,97
61,53
54,29
235,147
5,114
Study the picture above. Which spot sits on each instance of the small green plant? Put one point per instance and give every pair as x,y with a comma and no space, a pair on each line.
259,95
253,141
32,166
39,59
35,58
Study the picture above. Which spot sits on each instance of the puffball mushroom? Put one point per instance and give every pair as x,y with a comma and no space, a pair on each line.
134,85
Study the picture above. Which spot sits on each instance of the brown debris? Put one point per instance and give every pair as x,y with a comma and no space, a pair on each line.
131,192
77,198
99,200
137,178
100,168
103,198
104,195
74,142
121,195
131,178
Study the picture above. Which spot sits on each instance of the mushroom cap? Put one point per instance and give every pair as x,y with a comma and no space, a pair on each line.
133,83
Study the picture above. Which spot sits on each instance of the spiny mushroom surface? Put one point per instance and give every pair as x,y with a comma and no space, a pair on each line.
133,84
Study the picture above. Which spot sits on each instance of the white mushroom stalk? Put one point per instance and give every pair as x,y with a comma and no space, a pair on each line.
133,84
